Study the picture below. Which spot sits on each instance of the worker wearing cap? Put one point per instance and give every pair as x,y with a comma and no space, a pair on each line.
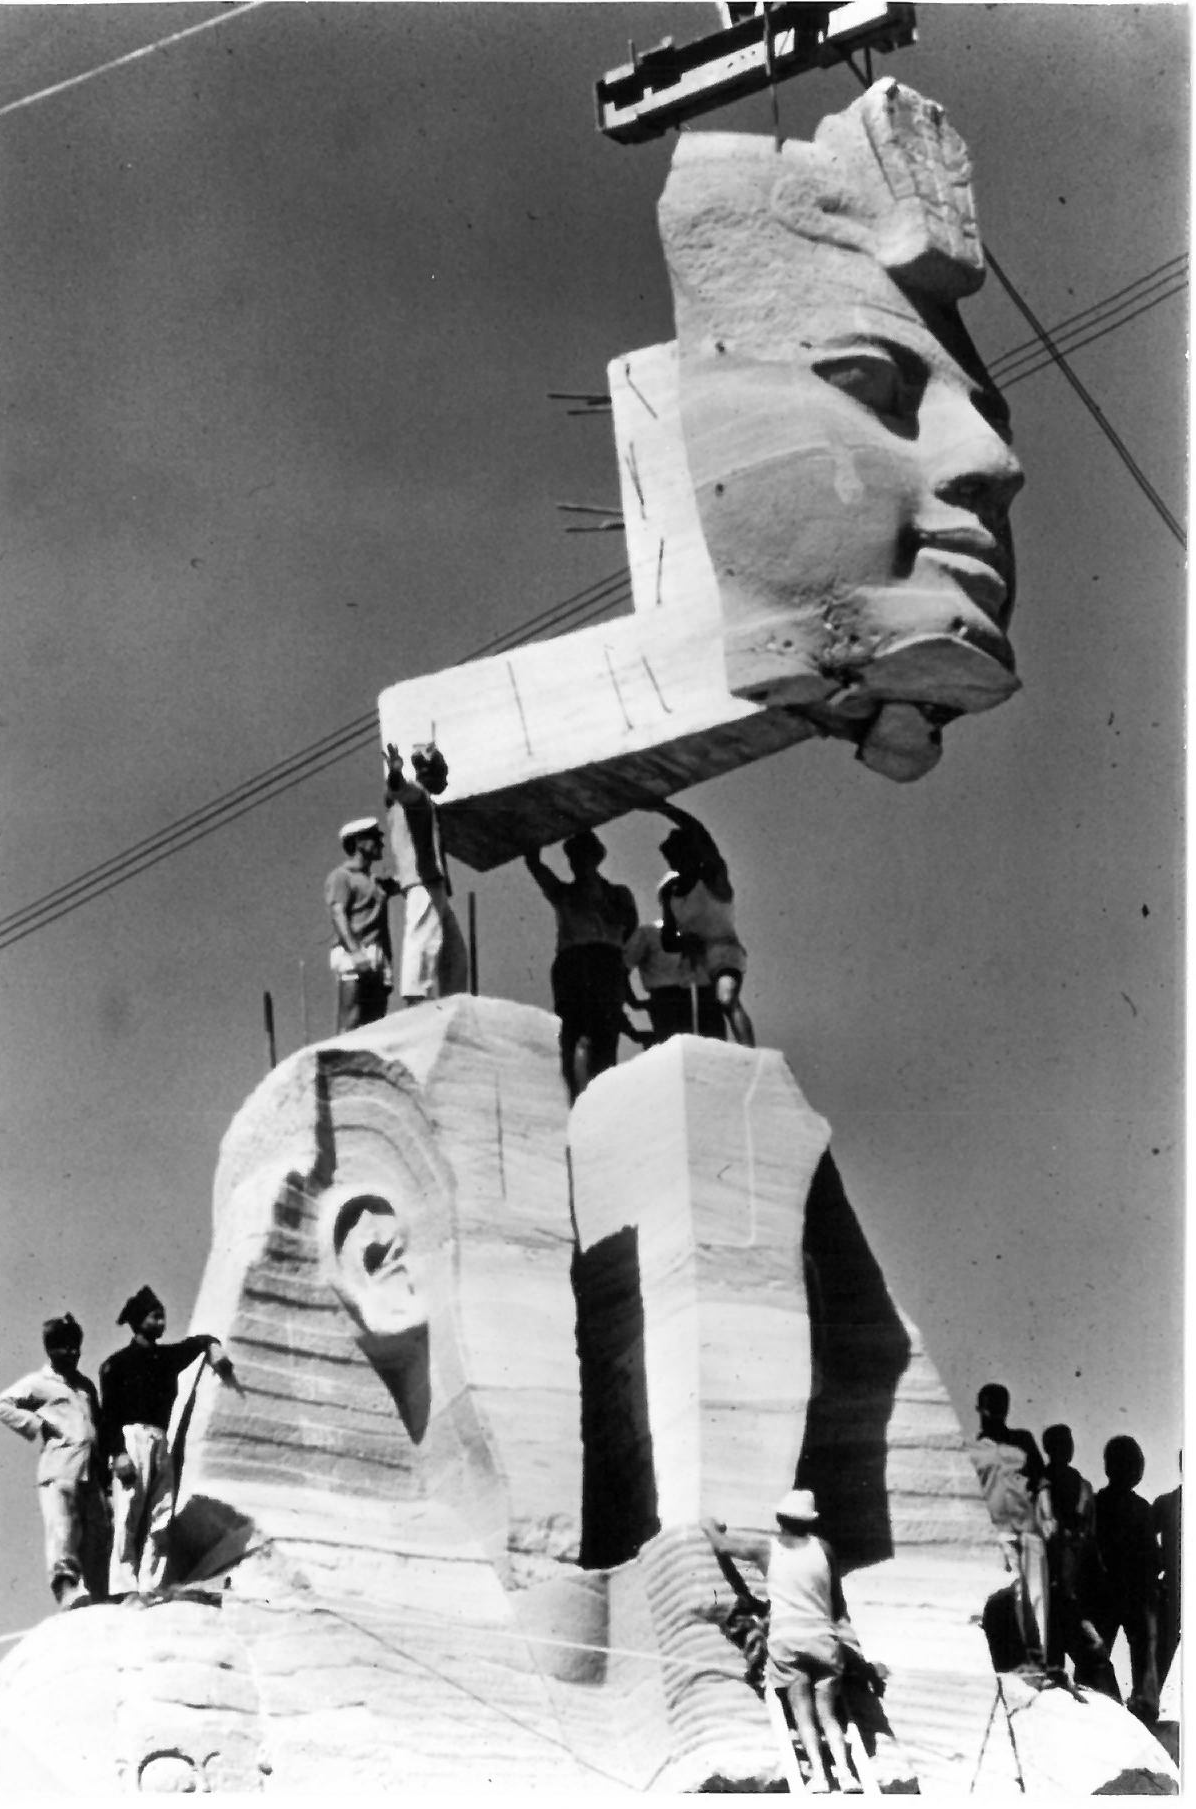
434,962
808,1629
357,902
594,920
137,1390
57,1406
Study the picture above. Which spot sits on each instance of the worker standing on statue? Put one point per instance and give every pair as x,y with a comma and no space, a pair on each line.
809,1631
58,1406
594,920
680,999
434,962
1128,1586
137,1390
698,903
1014,1484
357,904
1072,1566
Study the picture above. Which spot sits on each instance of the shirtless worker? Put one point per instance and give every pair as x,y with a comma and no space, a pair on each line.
58,1406
434,962
137,1390
594,920
698,902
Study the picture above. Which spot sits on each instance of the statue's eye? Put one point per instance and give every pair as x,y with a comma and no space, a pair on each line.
991,405
875,380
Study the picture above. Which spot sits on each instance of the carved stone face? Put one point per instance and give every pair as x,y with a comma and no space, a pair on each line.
849,454
855,493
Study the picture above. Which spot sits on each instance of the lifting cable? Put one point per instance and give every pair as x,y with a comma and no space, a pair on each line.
583,609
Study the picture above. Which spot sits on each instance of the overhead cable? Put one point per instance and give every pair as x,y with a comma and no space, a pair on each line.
131,56
1171,271
1056,357
581,610
1114,439
1029,368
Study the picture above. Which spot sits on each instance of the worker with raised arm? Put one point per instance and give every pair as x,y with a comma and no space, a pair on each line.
809,1632
434,961
357,905
137,1390
594,920
57,1407
698,903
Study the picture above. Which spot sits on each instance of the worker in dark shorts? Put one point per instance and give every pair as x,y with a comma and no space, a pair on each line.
594,919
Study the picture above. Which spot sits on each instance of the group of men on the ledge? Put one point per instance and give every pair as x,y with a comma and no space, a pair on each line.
1087,1564
690,960
105,1473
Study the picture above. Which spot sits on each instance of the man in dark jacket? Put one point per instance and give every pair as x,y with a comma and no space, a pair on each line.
57,1406
1129,1571
137,1390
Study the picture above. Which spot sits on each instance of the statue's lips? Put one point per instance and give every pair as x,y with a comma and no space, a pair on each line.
974,561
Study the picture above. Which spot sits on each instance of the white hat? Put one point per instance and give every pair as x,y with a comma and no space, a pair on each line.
359,826
798,1504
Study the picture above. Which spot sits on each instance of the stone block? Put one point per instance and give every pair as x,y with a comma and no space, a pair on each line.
815,481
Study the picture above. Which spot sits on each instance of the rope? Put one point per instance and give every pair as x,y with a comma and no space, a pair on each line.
581,610
130,56
1114,439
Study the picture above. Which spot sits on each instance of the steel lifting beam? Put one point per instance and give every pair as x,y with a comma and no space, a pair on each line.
662,87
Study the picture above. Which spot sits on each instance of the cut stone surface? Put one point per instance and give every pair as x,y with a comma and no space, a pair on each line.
444,1532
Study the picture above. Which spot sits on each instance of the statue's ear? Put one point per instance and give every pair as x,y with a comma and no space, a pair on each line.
378,1278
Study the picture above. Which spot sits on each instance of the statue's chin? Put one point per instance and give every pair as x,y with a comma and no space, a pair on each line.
928,644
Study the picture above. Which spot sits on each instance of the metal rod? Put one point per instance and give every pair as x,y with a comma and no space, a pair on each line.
303,1001
473,943
271,1049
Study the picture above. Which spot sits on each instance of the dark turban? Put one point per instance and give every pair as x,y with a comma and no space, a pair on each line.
64,1330
138,1306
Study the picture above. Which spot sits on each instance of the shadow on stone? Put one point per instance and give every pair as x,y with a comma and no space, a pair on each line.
859,1350
618,1487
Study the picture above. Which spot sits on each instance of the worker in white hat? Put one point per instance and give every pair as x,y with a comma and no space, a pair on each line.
357,904
808,1628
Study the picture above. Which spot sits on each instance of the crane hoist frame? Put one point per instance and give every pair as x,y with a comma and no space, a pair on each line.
759,45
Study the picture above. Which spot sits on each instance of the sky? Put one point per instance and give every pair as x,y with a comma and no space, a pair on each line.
280,309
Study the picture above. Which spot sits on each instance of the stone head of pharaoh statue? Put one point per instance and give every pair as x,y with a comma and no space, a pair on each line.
849,453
